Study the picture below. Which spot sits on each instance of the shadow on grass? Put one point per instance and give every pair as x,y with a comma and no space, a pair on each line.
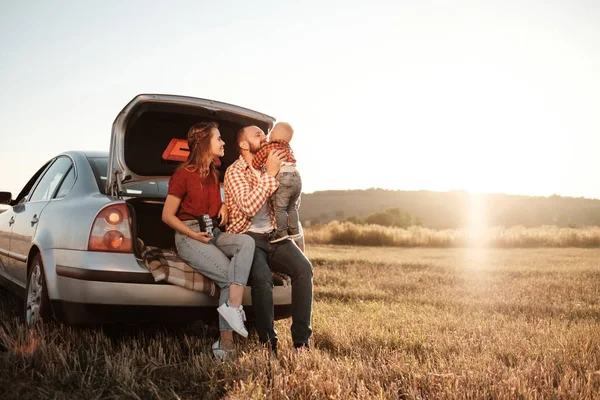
119,333
324,341
106,361
12,326
11,306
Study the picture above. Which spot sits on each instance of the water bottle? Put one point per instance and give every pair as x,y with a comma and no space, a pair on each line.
209,225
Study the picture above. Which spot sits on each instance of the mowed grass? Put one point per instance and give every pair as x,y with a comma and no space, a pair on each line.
388,323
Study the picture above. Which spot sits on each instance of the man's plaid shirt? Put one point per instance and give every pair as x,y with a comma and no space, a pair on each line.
245,194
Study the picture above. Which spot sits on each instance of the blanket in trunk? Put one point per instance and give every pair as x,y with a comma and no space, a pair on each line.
165,265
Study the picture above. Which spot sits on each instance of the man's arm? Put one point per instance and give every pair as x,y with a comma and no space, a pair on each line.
249,199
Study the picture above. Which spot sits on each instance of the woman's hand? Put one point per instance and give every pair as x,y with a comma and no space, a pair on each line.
203,237
223,214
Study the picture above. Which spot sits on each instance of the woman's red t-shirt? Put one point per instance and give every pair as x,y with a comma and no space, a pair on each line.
198,196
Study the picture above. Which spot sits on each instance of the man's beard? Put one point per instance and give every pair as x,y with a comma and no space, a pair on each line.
254,149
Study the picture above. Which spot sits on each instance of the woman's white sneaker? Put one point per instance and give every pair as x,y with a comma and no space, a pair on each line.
235,317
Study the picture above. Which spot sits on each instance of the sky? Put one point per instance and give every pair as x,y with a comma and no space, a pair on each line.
483,96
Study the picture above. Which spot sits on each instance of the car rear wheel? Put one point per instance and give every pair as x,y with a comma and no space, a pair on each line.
37,303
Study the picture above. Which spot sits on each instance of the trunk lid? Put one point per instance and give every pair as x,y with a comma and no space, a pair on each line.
146,131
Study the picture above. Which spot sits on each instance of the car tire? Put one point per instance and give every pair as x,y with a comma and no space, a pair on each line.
37,302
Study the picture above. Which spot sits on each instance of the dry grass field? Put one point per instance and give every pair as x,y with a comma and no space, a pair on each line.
412,323
347,233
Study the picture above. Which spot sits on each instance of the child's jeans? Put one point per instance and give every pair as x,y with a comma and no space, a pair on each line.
286,200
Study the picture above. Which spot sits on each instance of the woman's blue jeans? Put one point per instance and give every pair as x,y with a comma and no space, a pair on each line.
226,260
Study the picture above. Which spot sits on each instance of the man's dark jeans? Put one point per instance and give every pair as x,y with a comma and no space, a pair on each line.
287,258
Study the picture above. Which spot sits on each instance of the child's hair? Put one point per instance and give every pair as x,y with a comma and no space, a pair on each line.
282,131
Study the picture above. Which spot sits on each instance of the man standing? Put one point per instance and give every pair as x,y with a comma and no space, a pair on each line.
247,193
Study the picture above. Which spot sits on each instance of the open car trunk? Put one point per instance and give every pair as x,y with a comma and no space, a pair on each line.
140,162
148,225
143,132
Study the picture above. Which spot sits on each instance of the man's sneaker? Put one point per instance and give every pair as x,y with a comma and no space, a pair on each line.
220,353
278,236
235,317
301,346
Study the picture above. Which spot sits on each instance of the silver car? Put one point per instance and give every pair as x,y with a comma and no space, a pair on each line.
67,240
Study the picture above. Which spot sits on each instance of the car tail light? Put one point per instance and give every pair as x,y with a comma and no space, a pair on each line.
111,230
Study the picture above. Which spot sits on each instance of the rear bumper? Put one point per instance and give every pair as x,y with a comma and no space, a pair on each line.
103,276
79,313
104,287
147,294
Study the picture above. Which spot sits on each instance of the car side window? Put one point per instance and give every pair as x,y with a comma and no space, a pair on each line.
49,182
66,184
27,189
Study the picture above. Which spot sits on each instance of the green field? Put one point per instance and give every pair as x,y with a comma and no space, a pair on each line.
388,323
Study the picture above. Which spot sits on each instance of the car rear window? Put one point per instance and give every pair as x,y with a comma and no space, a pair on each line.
147,189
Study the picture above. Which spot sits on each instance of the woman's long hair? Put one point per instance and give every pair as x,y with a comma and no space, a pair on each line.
201,158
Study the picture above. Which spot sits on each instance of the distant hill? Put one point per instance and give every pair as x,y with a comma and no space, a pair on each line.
447,210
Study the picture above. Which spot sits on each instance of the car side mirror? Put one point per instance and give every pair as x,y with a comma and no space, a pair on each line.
5,197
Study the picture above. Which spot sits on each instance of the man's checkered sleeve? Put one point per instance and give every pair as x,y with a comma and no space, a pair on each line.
249,199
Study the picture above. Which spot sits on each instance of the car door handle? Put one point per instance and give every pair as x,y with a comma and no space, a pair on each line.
35,220
11,221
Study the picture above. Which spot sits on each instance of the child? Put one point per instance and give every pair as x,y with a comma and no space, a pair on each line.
286,198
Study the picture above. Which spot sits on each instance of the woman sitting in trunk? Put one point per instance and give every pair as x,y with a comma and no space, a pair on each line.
223,257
